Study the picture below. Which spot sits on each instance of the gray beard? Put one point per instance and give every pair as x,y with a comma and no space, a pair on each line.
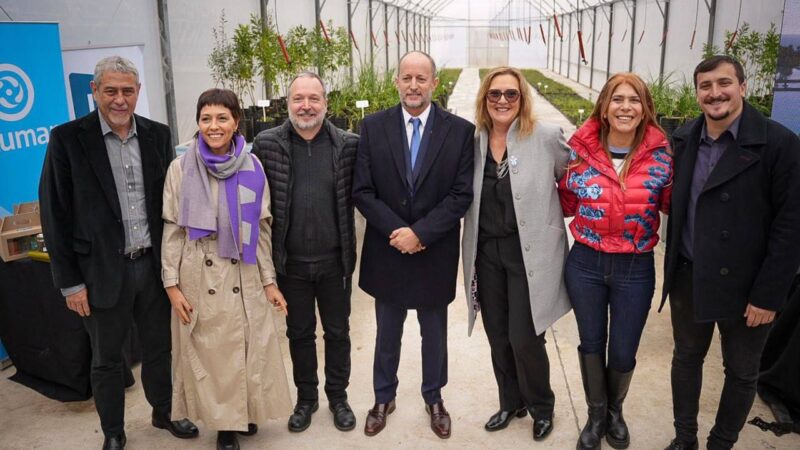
306,125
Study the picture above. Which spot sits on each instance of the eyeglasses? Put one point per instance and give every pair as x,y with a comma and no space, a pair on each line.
511,95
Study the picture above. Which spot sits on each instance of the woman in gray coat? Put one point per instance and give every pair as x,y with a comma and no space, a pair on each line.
515,245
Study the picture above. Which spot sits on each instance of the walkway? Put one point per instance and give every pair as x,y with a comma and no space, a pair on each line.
29,420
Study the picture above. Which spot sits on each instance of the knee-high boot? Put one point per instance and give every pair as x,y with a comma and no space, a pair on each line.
593,371
616,429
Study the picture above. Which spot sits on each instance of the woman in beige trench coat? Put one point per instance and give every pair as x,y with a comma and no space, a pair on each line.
227,366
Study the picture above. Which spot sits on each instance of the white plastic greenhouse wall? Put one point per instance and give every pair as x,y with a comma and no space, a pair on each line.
103,23
461,36
482,47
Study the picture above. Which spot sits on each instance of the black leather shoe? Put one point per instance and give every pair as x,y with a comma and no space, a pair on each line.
678,445
115,442
301,418
501,419
227,440
181,429
541,428
251,430
343,417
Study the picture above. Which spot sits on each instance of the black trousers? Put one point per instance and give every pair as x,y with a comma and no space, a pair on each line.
323,284
741,354
144,302
433,328
519,357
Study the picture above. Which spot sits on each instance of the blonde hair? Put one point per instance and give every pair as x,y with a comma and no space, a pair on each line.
527,121
601,107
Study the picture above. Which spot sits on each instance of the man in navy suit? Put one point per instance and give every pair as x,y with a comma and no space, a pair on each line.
413,184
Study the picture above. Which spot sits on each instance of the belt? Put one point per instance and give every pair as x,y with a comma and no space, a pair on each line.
138,253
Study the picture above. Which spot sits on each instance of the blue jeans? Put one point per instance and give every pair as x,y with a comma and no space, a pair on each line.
619,283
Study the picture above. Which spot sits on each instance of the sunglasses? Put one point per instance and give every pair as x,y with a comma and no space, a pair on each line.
511,95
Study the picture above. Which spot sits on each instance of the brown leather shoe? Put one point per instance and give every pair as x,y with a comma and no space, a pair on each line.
376,418
440,419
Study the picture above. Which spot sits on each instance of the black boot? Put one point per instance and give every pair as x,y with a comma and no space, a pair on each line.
226,440
616,429
593,372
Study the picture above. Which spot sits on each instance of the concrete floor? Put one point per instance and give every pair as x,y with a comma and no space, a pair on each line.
31,421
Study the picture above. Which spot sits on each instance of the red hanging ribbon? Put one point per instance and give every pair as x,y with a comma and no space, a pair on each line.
374,41
354,40
283,50
324,31
730,42
623,35
641,36
386,37
541,30
558,28
663,39
397,33
691,44
580,46
529,35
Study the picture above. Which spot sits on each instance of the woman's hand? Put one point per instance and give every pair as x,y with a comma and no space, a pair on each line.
275,297
180,304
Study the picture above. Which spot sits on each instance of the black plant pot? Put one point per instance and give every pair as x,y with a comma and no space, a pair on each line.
246,128
260,125
670,124
339,122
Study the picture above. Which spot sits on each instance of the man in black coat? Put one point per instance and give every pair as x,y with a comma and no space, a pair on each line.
309,166
733,246
101,197
413,184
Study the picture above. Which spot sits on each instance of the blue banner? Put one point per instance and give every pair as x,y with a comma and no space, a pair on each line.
32,102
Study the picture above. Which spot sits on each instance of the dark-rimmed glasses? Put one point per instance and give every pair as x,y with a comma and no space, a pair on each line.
511,95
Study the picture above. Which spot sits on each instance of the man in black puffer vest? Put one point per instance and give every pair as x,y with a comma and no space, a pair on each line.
309,166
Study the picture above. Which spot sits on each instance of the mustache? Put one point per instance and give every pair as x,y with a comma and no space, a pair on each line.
714,99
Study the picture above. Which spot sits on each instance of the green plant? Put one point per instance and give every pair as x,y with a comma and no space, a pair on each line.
220,58
243,65
447,81
758,53
560,96
268,56
378,89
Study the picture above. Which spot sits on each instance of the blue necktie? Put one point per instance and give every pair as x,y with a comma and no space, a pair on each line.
414,140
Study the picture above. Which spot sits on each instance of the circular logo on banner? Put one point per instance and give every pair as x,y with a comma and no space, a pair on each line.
16,93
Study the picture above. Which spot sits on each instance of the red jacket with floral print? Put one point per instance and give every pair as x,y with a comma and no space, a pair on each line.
610,217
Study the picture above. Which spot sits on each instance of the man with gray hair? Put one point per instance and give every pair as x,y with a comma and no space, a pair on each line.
309,166
100,195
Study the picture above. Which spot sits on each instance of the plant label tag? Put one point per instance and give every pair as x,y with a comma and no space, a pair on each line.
263,104
362,103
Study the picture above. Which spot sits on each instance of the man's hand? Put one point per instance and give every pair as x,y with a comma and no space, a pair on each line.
757,316
405,240
275,296
79,302
179,303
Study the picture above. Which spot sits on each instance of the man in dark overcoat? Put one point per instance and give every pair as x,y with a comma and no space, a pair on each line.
733,246
101,196
413,184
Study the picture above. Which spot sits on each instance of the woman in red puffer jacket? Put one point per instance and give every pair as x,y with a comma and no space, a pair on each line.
618,179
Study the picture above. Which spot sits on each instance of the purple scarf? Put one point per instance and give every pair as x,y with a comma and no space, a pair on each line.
238,212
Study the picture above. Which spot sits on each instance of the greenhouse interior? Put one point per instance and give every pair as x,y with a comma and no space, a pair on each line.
649,100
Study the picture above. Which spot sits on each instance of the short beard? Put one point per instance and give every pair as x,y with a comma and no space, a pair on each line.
307,125
423,102
719,117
